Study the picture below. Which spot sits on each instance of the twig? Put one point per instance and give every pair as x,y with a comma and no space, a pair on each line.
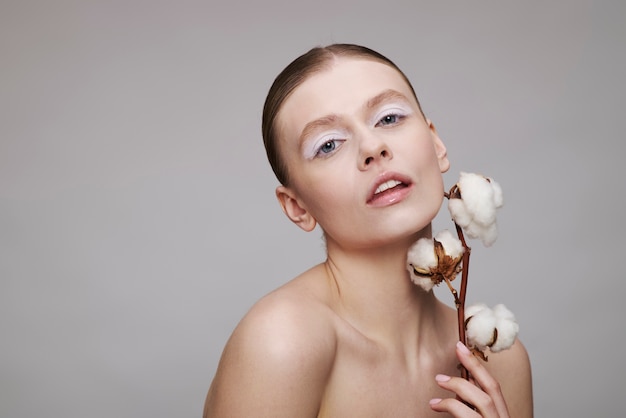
460,309
459,300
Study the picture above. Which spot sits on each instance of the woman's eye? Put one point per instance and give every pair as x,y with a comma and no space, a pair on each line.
327,147
389,119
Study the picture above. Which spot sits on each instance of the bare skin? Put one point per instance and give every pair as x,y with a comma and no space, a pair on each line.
301,352
353,336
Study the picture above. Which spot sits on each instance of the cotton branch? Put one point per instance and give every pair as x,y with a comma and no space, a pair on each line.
472,202
460,301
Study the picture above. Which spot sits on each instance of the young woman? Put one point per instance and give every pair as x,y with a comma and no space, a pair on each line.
353,336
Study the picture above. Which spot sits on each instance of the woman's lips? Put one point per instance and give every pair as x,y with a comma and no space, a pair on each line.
389,189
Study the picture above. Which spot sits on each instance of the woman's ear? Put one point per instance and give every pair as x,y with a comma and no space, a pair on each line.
294,209
440,148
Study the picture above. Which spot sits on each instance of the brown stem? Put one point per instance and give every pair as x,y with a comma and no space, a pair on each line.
463,292
457,301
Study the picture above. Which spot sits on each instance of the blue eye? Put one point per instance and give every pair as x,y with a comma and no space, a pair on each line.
327,147
390,119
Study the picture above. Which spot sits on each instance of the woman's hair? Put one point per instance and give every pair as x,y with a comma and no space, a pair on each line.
299,70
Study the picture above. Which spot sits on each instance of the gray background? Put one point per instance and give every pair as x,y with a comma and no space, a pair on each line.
137,214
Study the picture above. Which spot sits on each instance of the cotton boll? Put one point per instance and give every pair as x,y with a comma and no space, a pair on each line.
451,244
422,255
484,211
489,235
477,231
474,230
479,329
502,312
477,193
425,283
507,332
475,210
474,309
507,328
459,212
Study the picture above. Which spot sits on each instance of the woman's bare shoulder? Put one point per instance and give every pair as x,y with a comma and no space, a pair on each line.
279,356
295,315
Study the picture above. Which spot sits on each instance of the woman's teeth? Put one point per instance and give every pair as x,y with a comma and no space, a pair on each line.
387,185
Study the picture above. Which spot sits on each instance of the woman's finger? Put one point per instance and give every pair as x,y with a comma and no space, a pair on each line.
489,385
472,395
454,407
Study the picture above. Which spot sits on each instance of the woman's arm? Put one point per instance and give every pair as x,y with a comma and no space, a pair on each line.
275,364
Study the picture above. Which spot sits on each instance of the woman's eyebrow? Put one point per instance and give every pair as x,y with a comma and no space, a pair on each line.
385,96
323,122
330,120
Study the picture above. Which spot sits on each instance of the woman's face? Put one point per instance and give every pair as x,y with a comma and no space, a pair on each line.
364,162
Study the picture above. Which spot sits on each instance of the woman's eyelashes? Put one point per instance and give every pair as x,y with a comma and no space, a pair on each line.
391,118
323,145
328,143
328,147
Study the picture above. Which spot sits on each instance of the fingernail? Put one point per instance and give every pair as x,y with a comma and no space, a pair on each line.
442,378
435,401
462,348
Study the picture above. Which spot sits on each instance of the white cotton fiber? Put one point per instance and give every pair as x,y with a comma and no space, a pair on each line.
451,244
422,254
507,328
475,210
477,194
480,327
474,309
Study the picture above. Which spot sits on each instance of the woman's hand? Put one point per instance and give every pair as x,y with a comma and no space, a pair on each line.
483,391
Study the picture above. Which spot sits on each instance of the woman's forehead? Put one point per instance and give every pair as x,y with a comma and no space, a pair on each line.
346,72
346,85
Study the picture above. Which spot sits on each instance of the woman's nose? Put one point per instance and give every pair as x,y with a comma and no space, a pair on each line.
373,150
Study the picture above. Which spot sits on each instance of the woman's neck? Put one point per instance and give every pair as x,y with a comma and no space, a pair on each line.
373,291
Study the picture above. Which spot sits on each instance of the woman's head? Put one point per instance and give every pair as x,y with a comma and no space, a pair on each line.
298,71
357,155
